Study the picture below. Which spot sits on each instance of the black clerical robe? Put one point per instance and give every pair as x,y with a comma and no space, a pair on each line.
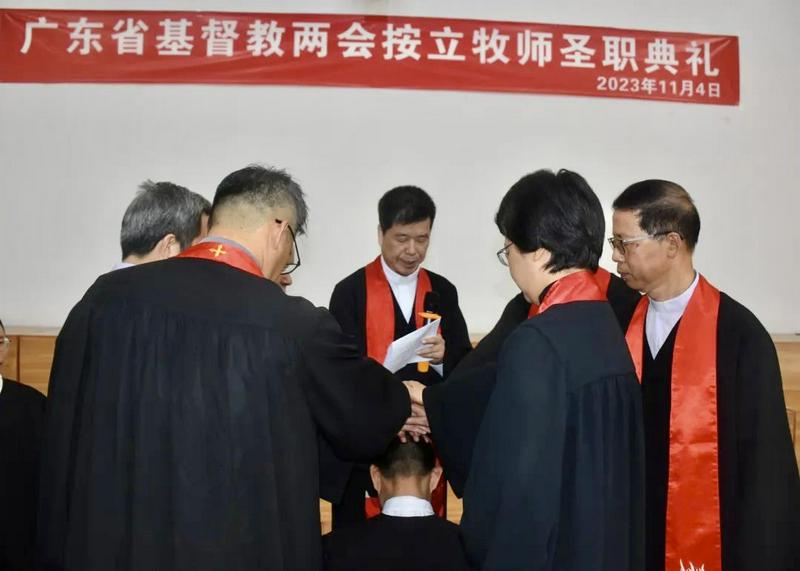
186,399
455,407
557,474
758,476
21,424
389,543
348,305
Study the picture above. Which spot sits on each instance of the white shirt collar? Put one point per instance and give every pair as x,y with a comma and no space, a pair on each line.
404,288
121,265
663,315
407,506
396,279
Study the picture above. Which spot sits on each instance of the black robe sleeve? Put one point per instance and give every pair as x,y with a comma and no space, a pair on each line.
344,304
58,446
521,441
356,403
761,489
455,408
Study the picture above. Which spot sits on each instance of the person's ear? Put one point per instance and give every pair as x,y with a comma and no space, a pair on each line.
274,235
375,476
436,475
380,236
674,241
168,247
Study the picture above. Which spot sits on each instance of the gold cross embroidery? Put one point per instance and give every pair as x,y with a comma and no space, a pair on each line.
218,251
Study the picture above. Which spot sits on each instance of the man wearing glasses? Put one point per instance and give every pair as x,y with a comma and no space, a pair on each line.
722,487
381,302
187,397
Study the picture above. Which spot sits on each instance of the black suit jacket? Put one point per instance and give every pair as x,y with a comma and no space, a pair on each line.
387,543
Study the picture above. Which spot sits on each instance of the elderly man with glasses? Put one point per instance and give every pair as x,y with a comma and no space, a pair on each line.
722,483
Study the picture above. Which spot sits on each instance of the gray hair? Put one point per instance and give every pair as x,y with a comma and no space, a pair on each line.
261,187
161,208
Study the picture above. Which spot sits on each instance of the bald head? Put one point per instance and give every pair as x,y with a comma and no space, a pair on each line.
246,198
662,206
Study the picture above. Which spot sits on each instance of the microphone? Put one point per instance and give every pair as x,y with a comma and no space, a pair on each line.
430,313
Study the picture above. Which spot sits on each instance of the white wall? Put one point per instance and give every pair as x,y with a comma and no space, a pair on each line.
71,157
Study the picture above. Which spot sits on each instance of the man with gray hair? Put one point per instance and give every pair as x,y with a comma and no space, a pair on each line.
162,220
188,396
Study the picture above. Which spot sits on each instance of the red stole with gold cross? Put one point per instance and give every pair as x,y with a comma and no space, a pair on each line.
224,254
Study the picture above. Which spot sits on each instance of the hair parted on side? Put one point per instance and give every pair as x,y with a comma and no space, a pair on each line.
405,205
261,187
558,212
406,459
160,208
662,206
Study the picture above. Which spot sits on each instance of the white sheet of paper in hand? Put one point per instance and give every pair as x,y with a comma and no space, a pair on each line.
404,350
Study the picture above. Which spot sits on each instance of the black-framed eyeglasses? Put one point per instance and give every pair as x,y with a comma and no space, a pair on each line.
292,266
619,244
502,254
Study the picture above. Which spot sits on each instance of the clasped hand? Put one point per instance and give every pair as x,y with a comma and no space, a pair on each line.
416,426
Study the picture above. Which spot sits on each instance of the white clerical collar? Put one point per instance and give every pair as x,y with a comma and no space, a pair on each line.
396,279
407,506
121,265
676,304
663,315
1,383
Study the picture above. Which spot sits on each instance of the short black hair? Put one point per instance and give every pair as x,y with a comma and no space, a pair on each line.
662,207
558,212
262,187
160,208
405,205
3,327
407,459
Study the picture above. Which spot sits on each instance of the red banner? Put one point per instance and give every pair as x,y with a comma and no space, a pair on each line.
68,46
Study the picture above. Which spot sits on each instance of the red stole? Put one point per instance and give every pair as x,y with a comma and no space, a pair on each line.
380,308
380,334
584,287
225,254
693,534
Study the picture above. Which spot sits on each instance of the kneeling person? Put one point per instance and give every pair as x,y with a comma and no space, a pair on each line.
407,535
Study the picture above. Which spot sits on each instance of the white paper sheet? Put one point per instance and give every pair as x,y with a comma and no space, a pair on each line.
404,350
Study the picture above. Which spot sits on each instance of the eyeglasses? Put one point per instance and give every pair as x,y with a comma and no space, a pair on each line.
619,244
292,266
502,254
